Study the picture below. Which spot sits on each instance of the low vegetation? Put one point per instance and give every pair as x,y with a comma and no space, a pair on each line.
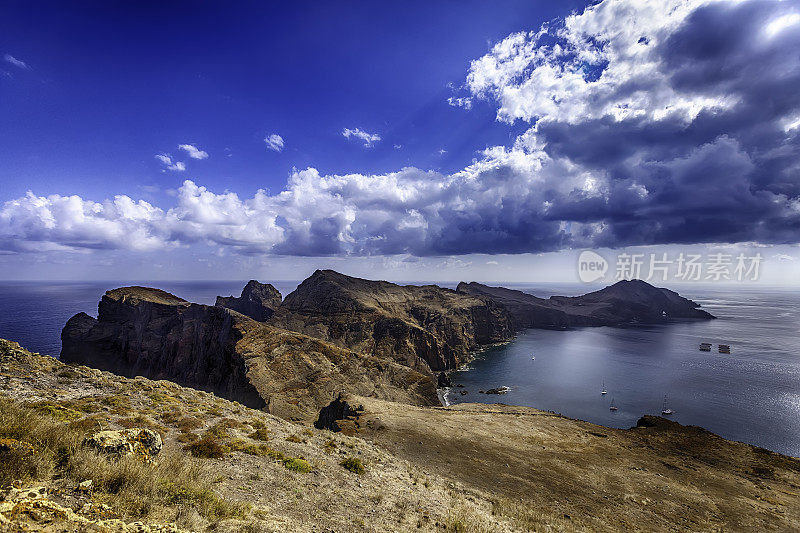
39,447
354,465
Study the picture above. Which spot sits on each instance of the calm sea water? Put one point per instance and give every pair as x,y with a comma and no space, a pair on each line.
752,395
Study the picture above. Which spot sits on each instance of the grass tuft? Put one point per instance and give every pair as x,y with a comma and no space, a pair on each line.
353,464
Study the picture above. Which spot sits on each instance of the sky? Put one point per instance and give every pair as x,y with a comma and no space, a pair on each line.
408,141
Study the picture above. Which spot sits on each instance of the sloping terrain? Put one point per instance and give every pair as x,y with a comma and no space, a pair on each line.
659,476
469,468
239,469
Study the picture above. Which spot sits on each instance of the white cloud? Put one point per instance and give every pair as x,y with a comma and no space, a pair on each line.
460,101
369,138
175,166
607,159
193,151
16,62
274,142
603,62
780,23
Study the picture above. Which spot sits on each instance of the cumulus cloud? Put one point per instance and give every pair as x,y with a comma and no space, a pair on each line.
647,123
175,166
274,142
369,138
16,62
193,151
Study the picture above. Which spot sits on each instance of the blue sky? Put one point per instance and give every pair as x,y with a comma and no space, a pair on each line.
111,84
488,140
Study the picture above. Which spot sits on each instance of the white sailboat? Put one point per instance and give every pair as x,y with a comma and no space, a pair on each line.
603,390
612,407
666,410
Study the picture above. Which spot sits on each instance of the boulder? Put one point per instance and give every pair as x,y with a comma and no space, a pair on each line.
142,442
339,409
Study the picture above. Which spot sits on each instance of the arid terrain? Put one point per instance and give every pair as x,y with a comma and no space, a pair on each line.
394,467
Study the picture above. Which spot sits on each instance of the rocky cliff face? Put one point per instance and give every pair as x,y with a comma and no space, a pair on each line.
151,333
258,301
423,327
625,302
148,332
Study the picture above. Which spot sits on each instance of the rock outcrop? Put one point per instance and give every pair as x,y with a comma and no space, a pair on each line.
258,301
148,332
424,327
141,442
625,302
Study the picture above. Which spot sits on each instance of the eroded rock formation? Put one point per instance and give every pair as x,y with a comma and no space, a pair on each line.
148,332
425,327
258,301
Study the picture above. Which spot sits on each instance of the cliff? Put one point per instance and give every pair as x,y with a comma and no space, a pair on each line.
148,332
625,302
151,333
258,301
424,327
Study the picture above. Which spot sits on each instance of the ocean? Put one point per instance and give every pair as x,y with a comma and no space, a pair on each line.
751,395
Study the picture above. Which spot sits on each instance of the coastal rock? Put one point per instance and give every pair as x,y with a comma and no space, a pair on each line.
424,327
142,442
258,301
625,302
498,390
443,380
148,332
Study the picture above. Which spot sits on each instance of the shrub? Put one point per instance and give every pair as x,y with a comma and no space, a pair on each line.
208,448
354,465
261,433
297,465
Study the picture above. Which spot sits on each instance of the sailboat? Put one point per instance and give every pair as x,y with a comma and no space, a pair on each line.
612,407
666,410
604,391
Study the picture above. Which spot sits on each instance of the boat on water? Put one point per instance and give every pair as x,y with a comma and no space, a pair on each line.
612,407
705,346
603,390
724,348
664,409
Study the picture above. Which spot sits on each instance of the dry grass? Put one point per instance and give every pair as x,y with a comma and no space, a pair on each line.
40,448
527,518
